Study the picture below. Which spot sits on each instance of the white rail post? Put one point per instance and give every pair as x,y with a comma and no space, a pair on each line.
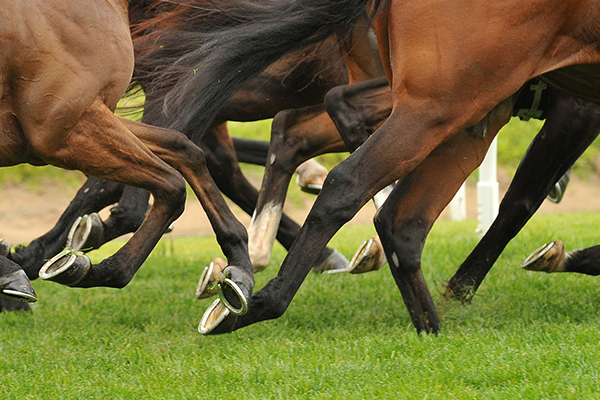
458,205
487,190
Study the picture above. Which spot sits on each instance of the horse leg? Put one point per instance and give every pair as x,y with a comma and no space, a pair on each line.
381,160
357,110
101,144
405,219
297,136
571,126
237,279
94,195
125,217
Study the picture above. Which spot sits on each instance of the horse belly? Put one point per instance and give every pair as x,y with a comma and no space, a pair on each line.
579,80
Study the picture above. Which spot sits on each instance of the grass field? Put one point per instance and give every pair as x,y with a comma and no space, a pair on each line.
526,335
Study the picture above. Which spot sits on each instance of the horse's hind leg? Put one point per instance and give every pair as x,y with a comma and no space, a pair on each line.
552,257
237,280
101,145
405,219
297,136
571,126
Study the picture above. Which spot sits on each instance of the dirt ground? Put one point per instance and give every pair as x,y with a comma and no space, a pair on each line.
26,214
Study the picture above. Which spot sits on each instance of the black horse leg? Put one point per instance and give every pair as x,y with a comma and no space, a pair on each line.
94,195
571,126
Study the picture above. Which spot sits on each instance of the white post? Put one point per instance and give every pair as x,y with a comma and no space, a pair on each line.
487,190
458,205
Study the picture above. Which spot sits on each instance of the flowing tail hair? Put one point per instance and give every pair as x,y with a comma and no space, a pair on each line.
242,40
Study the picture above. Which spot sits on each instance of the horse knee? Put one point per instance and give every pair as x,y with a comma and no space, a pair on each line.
287,151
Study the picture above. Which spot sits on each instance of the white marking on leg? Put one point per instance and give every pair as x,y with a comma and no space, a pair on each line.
262,233
395,260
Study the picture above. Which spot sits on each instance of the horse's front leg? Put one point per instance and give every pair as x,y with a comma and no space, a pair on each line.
93,196
381,160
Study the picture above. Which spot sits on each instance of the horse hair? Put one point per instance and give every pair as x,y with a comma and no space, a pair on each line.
193,69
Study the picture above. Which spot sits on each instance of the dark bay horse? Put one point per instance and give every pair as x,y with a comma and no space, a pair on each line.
62,81
446,74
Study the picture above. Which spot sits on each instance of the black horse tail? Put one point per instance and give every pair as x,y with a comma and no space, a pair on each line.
251,36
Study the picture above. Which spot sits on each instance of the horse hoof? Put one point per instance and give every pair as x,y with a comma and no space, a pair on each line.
67,267
311,176
87,232
558,190
234,289
4,248
207,286
310,188
548,258
217,319
16,286
335,263
369,257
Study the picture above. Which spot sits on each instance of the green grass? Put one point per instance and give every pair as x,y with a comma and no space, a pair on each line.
526,335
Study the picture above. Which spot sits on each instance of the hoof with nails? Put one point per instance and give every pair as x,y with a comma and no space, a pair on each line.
217,319
235,289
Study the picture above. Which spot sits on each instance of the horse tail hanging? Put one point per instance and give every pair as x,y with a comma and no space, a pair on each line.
242,39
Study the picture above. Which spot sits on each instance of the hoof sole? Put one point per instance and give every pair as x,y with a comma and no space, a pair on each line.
207,284
86,233
548,258
234,289
217,319
67,268
369,257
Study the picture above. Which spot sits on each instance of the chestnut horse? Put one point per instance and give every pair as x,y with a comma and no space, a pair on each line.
446,74
62,82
